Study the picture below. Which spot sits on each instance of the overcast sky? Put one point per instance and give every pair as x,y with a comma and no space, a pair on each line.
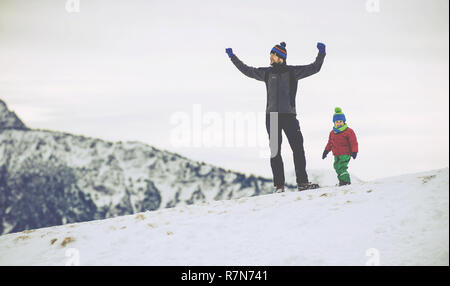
119,70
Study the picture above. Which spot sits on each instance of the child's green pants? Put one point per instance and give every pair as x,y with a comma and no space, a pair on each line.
341,166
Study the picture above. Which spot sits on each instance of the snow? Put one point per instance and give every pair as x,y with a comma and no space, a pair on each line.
325,178
393,221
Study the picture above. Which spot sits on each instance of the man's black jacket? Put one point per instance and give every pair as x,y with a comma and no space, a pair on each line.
281,81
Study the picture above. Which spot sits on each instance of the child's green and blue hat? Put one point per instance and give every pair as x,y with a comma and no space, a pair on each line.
338,115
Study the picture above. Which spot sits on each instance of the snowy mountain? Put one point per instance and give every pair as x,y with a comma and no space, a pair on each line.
51,178
401,220
9,120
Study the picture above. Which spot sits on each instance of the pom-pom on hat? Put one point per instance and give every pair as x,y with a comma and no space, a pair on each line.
338,115
280,50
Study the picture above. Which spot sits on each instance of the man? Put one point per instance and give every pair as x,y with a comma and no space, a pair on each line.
281,85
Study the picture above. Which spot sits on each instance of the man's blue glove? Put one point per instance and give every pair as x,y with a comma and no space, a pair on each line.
321,47
229,51
325,153
354,155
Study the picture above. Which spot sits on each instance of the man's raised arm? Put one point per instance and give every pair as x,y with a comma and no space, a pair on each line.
307,70
256,73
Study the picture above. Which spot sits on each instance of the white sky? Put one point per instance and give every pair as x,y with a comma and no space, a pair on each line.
119,70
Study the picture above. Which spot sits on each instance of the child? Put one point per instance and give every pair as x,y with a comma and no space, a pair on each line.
343,143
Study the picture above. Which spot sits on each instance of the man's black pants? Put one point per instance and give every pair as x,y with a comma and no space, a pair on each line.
275,123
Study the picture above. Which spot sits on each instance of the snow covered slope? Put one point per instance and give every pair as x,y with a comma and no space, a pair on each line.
394,221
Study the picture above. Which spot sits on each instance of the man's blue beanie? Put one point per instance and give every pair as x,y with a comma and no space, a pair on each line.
280,50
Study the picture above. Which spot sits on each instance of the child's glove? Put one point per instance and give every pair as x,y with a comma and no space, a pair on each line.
354,155
325,153
229,51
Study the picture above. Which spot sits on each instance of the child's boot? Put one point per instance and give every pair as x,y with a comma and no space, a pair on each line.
342,183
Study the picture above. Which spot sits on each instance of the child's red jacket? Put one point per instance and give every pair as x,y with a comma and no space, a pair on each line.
343,143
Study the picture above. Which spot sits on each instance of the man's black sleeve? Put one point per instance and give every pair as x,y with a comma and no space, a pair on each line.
256,73
307,70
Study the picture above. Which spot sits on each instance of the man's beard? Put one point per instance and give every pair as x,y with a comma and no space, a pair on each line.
275,64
